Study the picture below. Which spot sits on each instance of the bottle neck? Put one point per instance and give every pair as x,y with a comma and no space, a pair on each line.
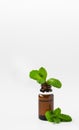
45,88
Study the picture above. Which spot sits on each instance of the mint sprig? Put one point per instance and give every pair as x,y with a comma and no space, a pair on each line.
56,116
40,76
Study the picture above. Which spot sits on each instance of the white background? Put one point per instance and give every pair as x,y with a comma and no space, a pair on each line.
33,34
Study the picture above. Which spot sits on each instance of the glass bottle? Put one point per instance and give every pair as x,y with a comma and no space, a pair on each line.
45,101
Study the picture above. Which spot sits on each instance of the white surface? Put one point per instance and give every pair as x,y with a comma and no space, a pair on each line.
34,34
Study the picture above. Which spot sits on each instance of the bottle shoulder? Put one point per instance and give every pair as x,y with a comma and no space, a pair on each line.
46,96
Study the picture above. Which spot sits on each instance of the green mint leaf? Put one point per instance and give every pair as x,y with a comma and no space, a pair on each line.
65,118
54,82
57,111
43,73
34,74
49,116
56,120
41,80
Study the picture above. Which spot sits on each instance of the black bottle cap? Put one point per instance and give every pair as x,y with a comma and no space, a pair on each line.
45,88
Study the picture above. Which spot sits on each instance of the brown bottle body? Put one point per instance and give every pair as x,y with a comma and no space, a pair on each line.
45,103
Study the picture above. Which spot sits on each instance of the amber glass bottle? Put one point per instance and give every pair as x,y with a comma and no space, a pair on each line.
45,100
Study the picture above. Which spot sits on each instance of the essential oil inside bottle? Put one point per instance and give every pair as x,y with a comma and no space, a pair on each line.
46,100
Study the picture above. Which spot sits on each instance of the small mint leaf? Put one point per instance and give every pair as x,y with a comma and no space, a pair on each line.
56,120
43,73
34,74
65,118
57,111
41,80
54,82
49,115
